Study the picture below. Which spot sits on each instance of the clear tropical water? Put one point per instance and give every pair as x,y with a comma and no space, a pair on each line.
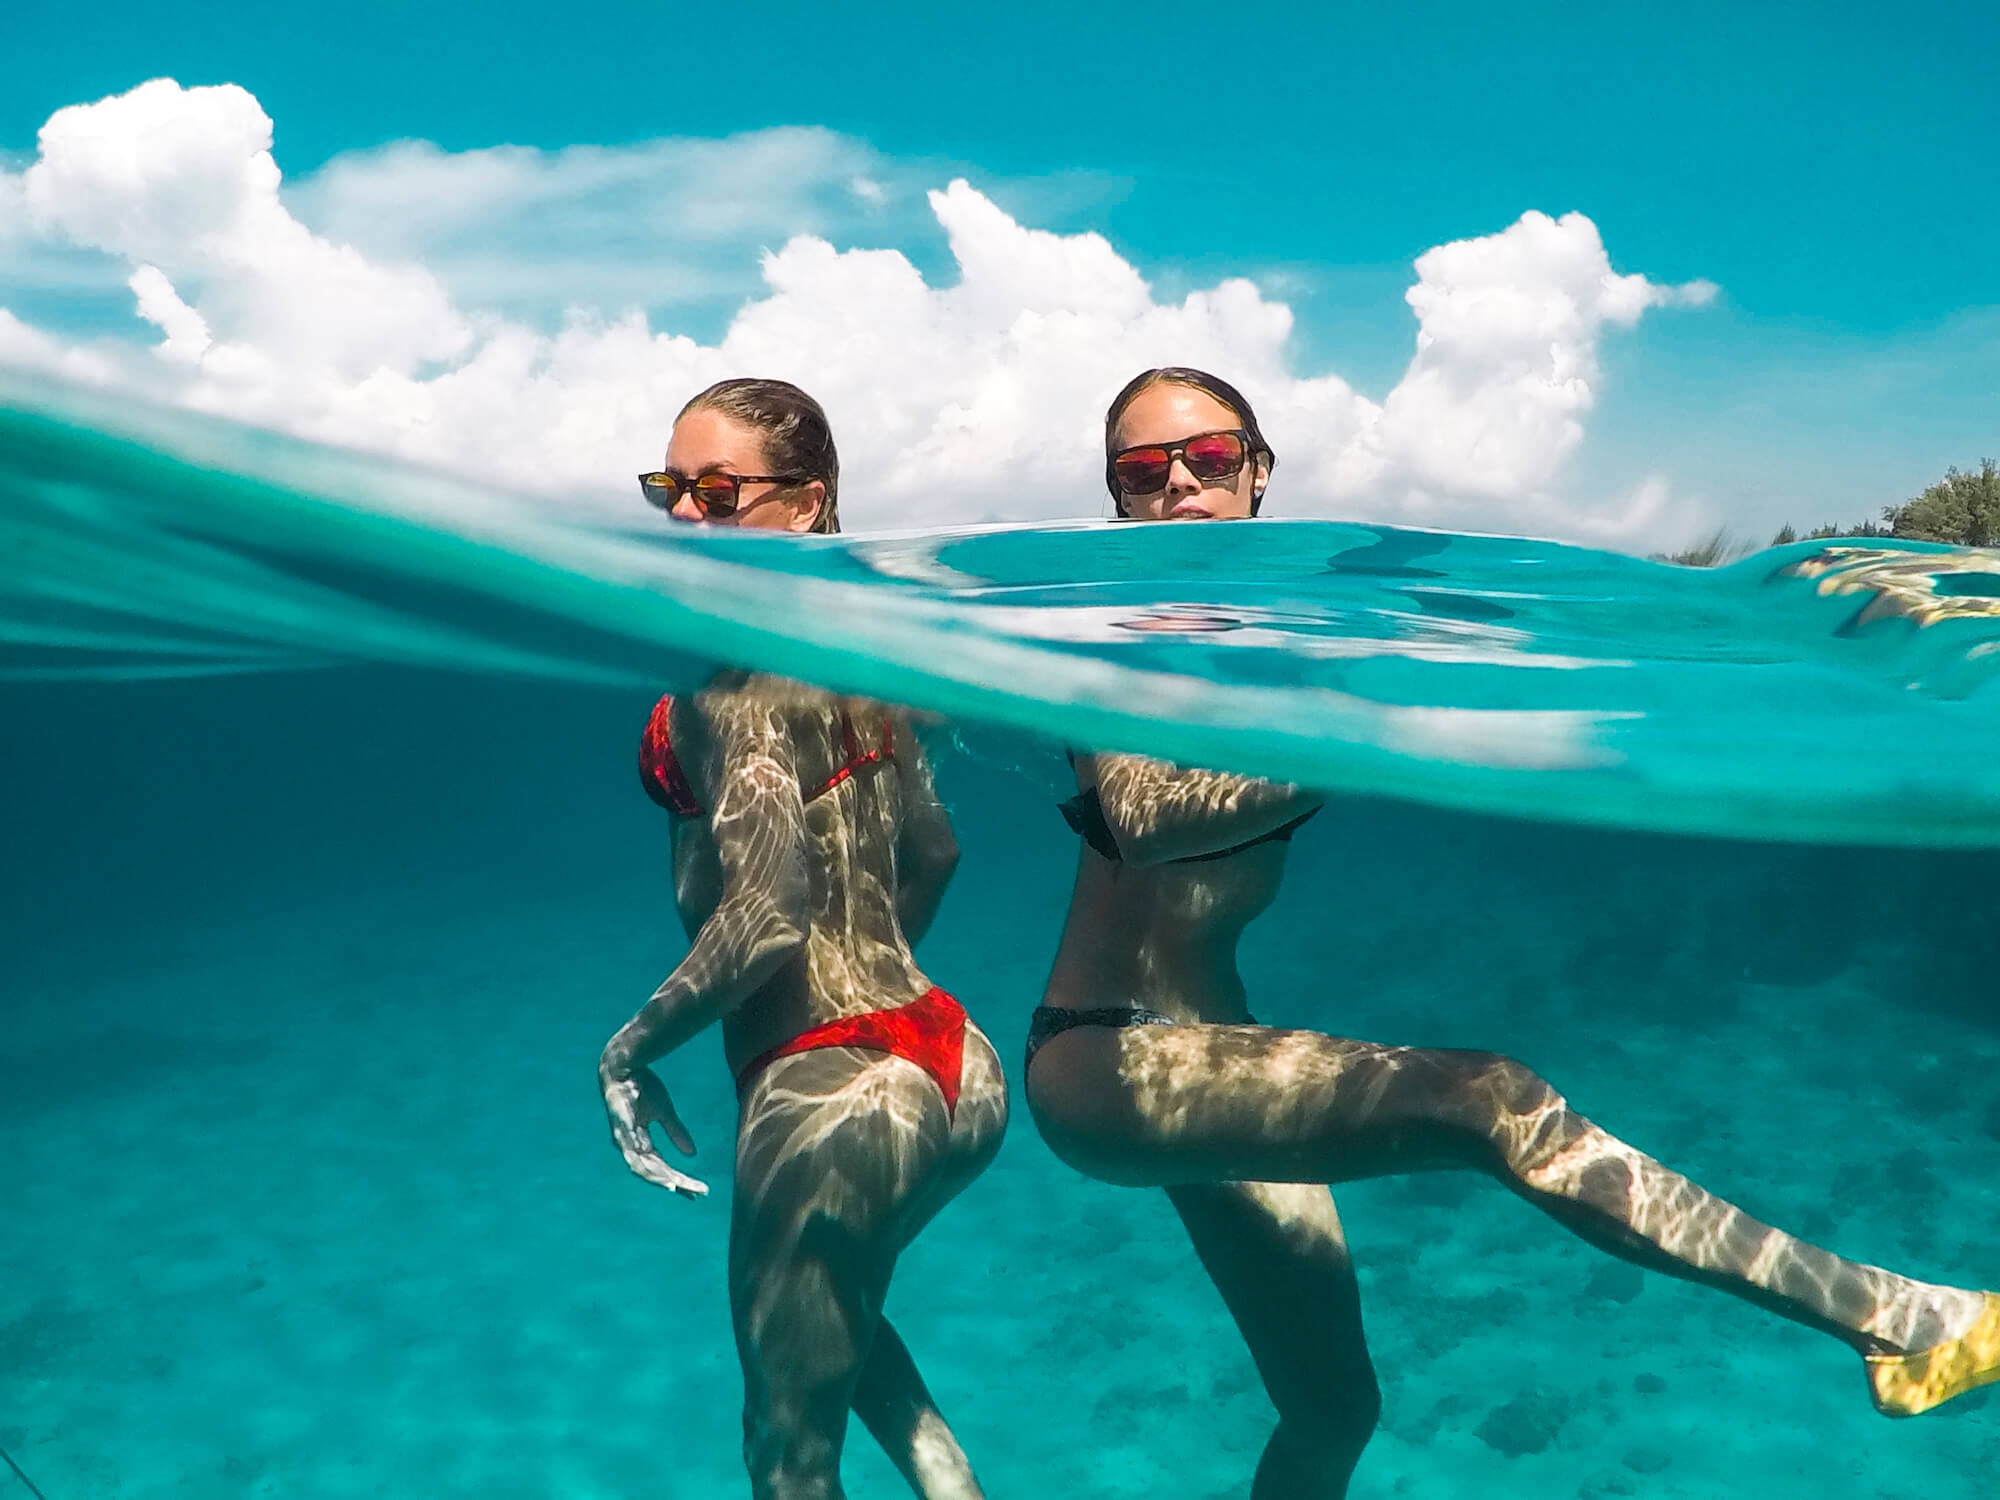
327,875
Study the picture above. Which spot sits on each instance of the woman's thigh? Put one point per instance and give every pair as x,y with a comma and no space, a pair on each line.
835,1150
841,1154
1163,1105
976,1129
1277,1254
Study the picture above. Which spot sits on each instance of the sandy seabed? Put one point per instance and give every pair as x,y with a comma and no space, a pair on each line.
307,1190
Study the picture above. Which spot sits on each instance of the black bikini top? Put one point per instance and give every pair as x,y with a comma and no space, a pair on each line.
1085,814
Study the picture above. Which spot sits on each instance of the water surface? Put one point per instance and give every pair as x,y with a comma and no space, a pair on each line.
329,874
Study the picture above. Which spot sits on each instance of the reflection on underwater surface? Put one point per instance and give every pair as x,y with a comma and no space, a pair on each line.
1814,692
307,970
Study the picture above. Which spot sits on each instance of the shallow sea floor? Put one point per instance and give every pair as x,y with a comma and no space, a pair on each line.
308,1192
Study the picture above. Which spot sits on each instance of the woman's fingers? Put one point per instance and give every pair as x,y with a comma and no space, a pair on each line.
649,1164
676,1131
636,1146
680,1182
656,1105
635,1104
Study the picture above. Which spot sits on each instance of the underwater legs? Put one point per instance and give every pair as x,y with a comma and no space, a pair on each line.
1276,1253
896,1407
1162,1105
841,1155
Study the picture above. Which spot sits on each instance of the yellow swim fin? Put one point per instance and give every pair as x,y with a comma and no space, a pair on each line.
1905,1384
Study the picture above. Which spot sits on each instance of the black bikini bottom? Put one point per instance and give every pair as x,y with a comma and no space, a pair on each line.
1053,1020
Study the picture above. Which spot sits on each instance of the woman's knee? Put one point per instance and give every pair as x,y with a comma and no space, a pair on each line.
788,1455
1519,1111
1339,1413
1319,1442
1514,1086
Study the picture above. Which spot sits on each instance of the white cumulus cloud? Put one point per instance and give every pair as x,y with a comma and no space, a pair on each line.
977,398
182,181
661,225
1506,364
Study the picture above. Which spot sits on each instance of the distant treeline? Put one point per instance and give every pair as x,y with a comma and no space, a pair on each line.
1962,507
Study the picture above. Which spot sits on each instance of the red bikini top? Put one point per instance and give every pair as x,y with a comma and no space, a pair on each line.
667,784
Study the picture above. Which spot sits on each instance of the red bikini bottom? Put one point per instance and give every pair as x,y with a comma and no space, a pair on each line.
929,1031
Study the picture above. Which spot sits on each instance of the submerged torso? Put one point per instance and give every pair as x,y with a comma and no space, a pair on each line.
1162,937
855,957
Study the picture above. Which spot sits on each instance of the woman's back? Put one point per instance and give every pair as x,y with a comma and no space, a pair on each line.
810,853
859,776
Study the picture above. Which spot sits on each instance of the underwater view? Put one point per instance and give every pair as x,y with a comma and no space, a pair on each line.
328,875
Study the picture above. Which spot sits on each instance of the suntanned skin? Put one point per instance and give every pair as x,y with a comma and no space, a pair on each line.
1242,1124
706,441
799,913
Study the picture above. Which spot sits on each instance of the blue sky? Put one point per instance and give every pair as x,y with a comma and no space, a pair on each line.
1829,166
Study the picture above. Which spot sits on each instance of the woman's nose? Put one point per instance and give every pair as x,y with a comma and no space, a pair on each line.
685,509
1180,478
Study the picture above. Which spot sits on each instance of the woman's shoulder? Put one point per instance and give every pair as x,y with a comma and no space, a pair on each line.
735,690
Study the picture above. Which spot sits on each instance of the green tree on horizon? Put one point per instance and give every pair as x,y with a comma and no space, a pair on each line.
1962,509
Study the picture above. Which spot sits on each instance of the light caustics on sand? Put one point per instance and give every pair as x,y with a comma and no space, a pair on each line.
1817,692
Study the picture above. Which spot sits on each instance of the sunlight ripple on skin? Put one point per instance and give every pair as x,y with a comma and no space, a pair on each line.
797,912
1146,1068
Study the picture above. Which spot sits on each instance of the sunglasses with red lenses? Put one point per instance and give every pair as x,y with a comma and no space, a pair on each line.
1210,456
717,495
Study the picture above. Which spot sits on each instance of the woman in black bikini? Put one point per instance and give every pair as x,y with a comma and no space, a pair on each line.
1146,1069
810,852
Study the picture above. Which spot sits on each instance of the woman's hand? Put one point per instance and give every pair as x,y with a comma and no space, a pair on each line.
635,1099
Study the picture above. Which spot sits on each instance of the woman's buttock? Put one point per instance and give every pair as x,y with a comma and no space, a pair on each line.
919,1073
1110,1097
866,1136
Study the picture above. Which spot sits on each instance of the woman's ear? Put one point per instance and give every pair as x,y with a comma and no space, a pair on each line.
806,507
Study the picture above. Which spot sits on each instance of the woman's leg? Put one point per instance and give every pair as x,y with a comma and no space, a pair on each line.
891,1398
1276,1253
842,1153
896,1407
1160,1106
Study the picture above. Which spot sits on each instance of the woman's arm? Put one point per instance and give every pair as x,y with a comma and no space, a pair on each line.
926,850
751,781
1159,812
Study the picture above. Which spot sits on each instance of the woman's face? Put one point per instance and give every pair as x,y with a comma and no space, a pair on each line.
707,442
1165,414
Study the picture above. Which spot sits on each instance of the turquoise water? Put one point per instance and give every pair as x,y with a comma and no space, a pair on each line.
329,874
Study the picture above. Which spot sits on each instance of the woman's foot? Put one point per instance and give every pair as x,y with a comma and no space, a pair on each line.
1905,1384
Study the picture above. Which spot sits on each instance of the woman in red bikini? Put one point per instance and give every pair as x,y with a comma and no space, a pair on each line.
1146,1069
810,853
